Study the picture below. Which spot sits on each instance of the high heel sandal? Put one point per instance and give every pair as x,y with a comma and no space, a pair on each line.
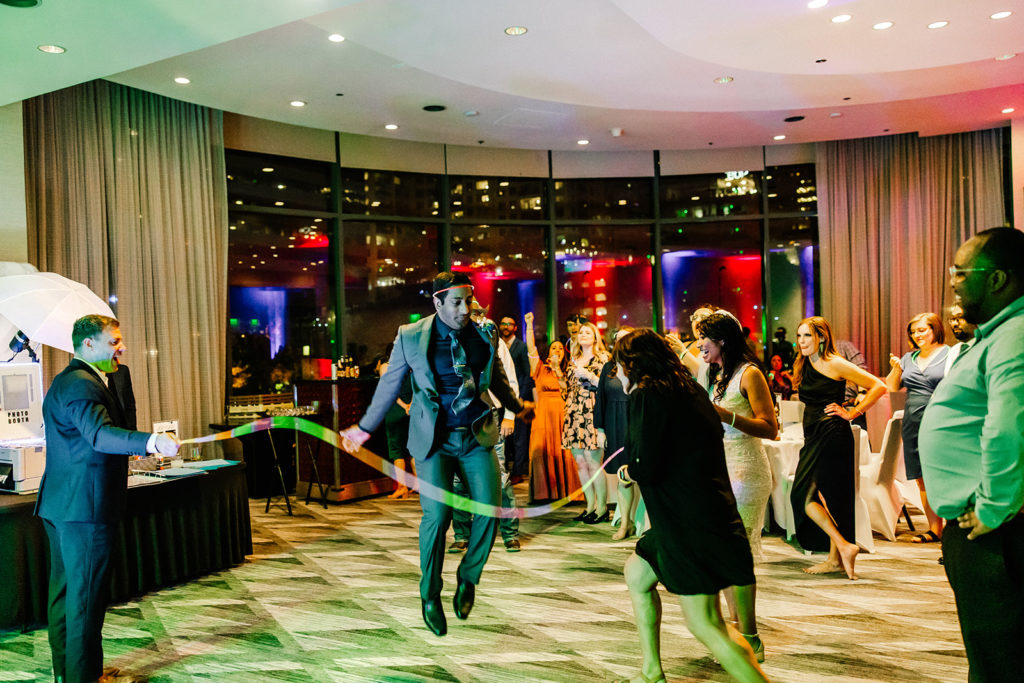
756,645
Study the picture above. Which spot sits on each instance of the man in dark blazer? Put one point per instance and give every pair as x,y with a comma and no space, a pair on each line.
517,446
453,427
83,494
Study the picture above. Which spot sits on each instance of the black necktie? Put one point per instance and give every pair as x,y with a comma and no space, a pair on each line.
468,389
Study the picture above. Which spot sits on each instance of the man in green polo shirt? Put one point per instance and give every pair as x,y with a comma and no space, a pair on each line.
972,455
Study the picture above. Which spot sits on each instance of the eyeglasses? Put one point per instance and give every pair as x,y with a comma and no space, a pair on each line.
959,272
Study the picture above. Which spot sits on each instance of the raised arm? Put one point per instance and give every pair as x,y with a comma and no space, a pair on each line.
531,343
894,380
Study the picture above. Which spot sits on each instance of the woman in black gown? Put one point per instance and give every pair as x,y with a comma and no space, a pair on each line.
823,494
696,545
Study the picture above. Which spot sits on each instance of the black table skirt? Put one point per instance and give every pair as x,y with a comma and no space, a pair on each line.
172,532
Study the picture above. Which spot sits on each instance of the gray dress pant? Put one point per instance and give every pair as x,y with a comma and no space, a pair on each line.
477,466
509,526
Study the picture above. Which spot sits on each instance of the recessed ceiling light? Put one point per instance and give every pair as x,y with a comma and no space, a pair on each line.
583,142
391,126
1009,110
471,112
181,80
820,61
1008,55
52,49
815,4
434,107
267,169
779,137
278,203
336,38
724,79
882,25
938,24
841,18
793,119
515,31
297,103
835,115
1001,15
20,3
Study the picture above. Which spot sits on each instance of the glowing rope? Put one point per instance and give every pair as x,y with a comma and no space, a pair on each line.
401,476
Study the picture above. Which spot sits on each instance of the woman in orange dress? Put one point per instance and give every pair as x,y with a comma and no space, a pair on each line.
552,469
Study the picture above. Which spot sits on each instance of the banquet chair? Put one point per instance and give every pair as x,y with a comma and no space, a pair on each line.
861,512
878,490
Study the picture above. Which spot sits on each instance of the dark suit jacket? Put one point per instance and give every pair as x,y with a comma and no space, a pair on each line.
86,476
410,355
121,387
521,359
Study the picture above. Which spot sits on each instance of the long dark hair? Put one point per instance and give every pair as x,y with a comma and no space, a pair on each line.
649,362
725,330
563,364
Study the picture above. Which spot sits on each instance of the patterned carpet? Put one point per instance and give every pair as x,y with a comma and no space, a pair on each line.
331,595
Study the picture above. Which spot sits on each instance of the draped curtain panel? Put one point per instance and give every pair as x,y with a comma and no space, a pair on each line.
126,194
891,213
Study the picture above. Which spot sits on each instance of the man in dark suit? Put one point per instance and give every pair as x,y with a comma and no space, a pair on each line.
83,494
453,427
517,446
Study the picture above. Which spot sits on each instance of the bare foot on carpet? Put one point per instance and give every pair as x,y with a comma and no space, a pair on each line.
826,567
847,557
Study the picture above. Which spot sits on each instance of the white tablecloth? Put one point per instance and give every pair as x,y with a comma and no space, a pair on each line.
783,455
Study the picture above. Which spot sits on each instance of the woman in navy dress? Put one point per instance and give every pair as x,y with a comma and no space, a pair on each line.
920,371
610,409
823,494
696,545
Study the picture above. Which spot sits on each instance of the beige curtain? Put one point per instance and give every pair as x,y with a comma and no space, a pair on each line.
126,194
892,212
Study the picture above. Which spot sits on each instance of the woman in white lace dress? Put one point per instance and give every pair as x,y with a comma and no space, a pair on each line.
738,388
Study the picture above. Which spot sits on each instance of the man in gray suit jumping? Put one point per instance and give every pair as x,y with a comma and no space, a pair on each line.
453,428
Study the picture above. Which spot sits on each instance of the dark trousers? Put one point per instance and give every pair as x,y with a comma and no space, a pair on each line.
509,526
79,591
478,468
987,577
517,450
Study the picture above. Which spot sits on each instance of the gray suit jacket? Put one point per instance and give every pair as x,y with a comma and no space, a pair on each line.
410,355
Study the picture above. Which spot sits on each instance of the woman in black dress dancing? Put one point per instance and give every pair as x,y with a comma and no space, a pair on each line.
696,545
823,495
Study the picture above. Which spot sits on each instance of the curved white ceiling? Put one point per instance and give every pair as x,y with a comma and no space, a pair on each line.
582,68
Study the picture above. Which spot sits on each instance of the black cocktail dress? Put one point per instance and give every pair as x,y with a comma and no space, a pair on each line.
696,544
827,463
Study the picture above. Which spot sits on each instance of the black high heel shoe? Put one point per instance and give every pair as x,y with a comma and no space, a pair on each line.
582,516
592,518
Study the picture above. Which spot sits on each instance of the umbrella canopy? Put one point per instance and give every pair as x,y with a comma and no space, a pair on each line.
45,306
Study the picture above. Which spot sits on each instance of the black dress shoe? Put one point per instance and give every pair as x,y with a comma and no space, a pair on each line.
465,593
582,516
592,518
433,616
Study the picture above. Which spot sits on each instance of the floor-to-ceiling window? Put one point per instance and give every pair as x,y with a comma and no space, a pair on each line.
309,245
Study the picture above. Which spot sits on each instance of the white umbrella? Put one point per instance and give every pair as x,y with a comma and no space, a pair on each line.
45,306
